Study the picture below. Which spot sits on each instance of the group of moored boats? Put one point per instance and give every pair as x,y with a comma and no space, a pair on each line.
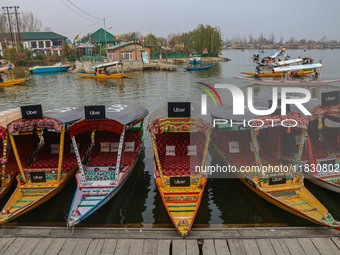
286,71
101,145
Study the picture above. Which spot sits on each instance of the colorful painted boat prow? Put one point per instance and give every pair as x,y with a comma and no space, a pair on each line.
41,146
180,146
107,149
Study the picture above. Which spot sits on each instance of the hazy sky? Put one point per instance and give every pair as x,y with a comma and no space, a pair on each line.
299,18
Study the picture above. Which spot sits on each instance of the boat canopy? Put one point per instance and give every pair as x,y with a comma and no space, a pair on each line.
159,122
277,54
118,117
296,68
8,116
286,62
107,64
52,120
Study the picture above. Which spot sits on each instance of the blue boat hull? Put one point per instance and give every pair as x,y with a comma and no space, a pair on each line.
52,69
199,68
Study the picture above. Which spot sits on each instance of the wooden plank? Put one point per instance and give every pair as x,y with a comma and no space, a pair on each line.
163,247
5,242
336,241
280,247
236,246
136,247
250,246
325,246
81,246
192,247
265,246
68,246
95,248
42,246
109,247
150,247
178,247
56,246
308,246
15,246
293,246
221,247
29,246
208,247
122,247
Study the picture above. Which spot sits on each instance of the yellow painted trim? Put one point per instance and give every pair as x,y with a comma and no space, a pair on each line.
17,157
61,151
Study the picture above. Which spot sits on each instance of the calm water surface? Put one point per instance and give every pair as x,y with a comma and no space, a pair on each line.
224,202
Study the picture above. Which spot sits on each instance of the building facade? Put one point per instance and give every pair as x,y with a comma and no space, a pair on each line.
127,51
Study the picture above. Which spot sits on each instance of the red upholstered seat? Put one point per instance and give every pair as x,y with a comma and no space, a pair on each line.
98,158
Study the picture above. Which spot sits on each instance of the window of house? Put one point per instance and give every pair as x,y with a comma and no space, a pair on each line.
34,45
48,44
41,44
126,55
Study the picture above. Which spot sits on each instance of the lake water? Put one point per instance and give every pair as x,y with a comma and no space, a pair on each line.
226,201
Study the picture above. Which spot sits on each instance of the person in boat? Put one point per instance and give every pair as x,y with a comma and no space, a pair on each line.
258,70
257,77
295,75
104,71
316,76
284,75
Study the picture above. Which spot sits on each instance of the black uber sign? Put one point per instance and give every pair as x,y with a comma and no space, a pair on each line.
330,98
30,112
182,181
95,112
38,177
179,109
277,180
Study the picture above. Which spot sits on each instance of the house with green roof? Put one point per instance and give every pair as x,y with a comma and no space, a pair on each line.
37,41
99,38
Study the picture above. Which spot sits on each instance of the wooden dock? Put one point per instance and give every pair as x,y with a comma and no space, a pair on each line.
160,66
45,240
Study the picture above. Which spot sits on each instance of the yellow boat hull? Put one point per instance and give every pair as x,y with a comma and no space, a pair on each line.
104,76
9,183
12,82
30,195
295,198
301,73
181,203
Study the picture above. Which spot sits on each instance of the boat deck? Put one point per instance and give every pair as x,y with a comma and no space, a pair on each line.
279,240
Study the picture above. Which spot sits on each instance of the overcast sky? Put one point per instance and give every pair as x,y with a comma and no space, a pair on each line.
299,18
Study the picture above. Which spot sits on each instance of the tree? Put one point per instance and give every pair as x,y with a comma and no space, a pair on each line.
28,22
67,51
206,37
152,41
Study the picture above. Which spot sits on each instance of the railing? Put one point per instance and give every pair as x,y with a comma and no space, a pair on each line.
182,55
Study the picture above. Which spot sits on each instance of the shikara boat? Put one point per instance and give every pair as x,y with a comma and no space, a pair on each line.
11,81
258,154
58,67
101,73
41,145
9,168
116,144
273,74
286,62
196,59
287,78
180,146
199,68
104,76
323,149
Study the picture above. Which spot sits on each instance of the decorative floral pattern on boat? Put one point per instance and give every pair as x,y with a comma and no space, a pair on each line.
2,133
26,125
100,176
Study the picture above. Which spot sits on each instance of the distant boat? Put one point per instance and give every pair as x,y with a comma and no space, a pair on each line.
198,68
104,76
195,60
58,67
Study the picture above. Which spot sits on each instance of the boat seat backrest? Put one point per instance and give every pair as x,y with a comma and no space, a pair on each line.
181,141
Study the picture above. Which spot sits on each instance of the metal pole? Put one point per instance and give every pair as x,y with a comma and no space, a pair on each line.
9,22
18,27
105,37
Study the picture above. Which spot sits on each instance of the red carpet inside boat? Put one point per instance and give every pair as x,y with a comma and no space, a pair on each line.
98,158
181,164
45,159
